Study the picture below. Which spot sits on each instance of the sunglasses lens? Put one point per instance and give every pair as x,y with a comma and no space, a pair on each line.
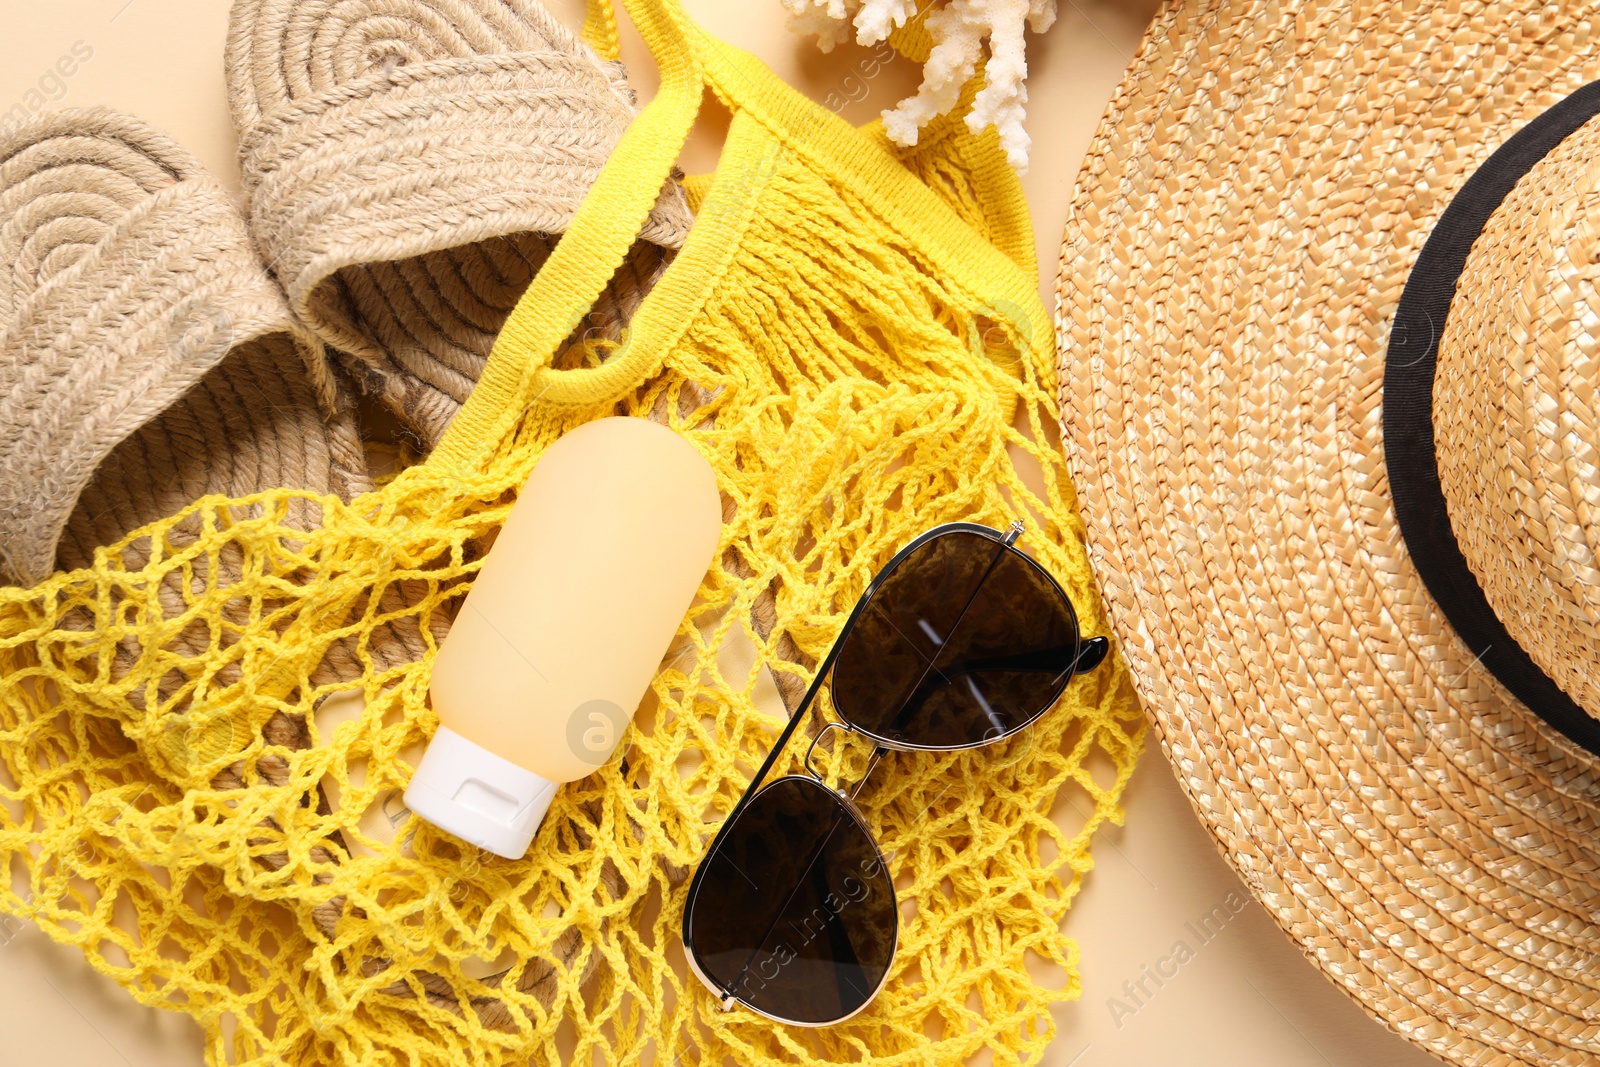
795,914
964,642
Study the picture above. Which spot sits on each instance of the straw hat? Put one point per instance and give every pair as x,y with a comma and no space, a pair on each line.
1330,323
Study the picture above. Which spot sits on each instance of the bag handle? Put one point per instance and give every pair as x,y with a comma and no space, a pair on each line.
606,225
600,29
518,372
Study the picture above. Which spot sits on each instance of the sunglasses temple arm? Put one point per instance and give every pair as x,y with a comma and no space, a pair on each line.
795,720
1090,654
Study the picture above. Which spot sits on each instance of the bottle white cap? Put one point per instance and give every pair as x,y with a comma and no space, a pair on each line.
484,799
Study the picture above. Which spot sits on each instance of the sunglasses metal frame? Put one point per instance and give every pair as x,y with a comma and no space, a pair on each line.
1090,653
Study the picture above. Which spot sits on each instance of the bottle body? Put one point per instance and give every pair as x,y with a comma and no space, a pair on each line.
565,626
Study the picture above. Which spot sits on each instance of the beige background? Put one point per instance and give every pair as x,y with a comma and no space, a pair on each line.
1244,998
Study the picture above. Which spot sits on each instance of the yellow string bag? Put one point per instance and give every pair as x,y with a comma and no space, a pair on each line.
852,336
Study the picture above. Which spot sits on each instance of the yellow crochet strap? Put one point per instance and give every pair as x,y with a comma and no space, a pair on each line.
600,28
518,370
817,135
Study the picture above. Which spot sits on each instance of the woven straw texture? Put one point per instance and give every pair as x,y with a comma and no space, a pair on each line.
410,165
146,358
1240,236
844,341
1516,425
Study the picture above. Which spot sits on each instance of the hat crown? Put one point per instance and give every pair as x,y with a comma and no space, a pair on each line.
1515,417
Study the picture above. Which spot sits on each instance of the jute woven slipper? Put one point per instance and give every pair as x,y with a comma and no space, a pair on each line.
146,358
1330,296
409,167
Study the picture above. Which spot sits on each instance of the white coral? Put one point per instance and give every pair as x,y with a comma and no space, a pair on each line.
958,29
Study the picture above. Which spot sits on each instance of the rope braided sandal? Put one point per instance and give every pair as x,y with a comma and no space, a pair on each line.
146,358
409,167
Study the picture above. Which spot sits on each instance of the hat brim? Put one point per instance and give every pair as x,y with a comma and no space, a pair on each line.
1242,231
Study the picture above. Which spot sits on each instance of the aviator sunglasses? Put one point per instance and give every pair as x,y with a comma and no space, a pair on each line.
960,641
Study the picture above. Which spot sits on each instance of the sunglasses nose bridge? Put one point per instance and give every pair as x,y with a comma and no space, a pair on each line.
812,748
872,763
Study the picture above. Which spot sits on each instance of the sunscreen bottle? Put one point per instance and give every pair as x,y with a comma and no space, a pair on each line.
562,632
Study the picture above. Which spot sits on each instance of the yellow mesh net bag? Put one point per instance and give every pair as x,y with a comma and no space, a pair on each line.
853,338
